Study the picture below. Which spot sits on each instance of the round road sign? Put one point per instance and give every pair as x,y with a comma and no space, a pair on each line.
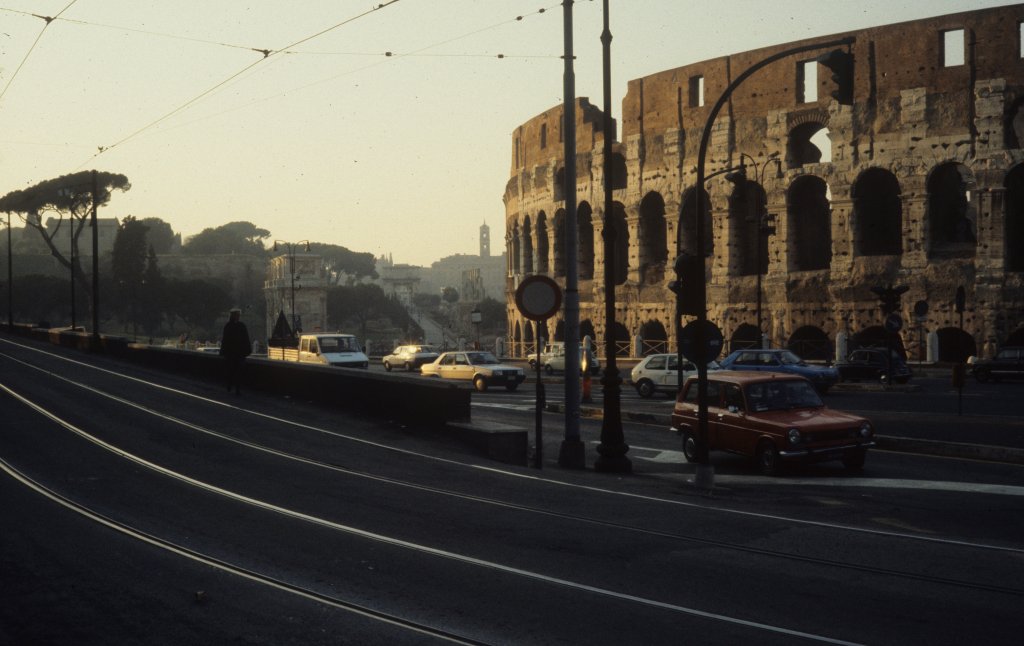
538,298
701,341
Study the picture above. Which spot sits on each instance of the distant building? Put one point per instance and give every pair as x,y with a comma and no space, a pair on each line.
485,241
296,284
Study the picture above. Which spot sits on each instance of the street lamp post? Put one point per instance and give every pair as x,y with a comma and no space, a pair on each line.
706,474
291,270
10,279
762,219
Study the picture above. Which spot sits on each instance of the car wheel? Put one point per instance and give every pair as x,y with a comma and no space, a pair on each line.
645,388
387,366
480,384
768,459
854,460
408,367
689,446
549,370
511,387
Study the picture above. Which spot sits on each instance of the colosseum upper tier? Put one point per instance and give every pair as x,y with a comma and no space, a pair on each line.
917,183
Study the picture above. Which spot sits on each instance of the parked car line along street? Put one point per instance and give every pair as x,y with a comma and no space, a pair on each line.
781,360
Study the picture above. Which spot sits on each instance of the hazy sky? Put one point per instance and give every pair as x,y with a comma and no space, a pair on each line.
332,140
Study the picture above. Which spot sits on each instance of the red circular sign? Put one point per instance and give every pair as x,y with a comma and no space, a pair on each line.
538,298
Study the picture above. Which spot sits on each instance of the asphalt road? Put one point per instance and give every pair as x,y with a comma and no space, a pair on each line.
143,508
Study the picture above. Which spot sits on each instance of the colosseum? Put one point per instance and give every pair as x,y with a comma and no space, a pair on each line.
810,202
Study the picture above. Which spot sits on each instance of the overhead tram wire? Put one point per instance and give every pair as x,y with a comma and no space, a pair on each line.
267,53
385,55
48,20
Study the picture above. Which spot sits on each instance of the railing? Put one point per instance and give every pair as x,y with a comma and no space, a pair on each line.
654,347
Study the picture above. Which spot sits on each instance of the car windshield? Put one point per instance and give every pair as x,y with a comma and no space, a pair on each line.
482,358
339,344
425,348
789,359
782,395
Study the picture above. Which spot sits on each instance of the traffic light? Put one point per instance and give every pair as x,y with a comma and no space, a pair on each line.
689,279
841,64
889,297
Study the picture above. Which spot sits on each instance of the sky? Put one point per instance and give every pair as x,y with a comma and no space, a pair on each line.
384,126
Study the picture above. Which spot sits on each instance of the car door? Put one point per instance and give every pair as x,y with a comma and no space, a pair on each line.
462,368
732,432
446,366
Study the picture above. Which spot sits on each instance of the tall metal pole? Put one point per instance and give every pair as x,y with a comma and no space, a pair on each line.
71,230
571,454
291,270
613,448
10,278
95,263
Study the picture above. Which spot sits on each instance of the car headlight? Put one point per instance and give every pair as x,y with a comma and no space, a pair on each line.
865,429
794,436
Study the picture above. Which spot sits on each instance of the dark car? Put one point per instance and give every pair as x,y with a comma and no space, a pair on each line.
1007,364
869,364
410,357
781,360
775,418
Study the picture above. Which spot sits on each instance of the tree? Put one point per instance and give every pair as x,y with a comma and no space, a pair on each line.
152,298
198,303
450,295
493,316
70,199
160,235
338,259
128,267
233,237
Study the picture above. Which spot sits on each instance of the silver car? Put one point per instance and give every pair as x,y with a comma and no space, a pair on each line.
660,373
410,357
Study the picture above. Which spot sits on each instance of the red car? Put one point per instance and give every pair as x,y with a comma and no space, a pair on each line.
773,417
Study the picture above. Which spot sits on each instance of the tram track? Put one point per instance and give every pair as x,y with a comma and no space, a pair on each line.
690,539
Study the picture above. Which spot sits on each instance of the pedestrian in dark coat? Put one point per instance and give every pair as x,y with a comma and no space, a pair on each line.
235,346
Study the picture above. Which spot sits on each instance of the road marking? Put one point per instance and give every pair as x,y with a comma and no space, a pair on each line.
661,456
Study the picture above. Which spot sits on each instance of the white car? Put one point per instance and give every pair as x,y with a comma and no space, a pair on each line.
660,373
482,369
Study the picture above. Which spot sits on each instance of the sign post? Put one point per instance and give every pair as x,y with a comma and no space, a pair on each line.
538,299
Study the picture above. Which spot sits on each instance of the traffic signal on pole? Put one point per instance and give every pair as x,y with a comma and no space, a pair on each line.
689,279
841,65
889,297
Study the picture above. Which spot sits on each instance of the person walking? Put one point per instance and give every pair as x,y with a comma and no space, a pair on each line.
234,347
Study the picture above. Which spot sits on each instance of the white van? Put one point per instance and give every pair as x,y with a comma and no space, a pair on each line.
341,350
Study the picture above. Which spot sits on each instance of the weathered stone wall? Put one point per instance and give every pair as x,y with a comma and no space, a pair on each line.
919,188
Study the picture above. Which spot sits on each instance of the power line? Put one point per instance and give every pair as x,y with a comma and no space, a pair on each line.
266,54
47,20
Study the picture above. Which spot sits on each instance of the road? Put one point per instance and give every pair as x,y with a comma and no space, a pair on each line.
144,508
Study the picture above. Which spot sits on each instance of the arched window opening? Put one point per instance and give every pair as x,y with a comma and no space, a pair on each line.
1013,125
952,218
653,243
558,189
620,337
810,217
809,342
955,345
1013,233
809,143
527,246
559,331
585,238
621,248
620,177
543,263
878,214
559,235
655,338
587,329
688,225
745,336
516,267
876,337
747,204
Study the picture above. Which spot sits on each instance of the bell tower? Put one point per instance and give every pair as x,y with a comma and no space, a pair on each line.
485,241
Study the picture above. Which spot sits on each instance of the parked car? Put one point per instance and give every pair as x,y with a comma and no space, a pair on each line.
1007,364
870,364
410,357
482,369
660,373
781,360
774,417
552,359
